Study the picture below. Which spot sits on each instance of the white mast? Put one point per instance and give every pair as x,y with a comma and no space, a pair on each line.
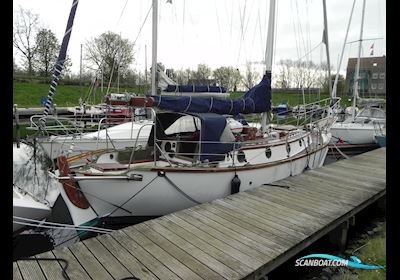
154,49
268,55
326,41
357,75
341,55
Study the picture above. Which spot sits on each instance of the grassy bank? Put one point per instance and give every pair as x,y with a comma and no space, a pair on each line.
30,94
373,251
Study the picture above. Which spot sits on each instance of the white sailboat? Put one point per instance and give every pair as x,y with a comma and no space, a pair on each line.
26,206
358,129
192,155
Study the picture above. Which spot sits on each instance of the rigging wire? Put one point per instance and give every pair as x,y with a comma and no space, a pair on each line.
59,224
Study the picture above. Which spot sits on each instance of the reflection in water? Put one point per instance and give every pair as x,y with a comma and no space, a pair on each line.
30,167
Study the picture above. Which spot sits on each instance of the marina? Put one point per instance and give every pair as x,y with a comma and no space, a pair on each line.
257,167
243,236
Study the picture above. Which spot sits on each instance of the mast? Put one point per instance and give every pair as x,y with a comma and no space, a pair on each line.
341,55
268,55
357,74
154,49
326,41
60,61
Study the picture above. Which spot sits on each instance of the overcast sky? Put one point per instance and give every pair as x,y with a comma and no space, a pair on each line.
217,32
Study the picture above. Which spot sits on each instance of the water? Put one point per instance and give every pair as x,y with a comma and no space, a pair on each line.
30,166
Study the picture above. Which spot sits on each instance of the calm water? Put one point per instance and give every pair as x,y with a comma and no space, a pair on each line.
30,174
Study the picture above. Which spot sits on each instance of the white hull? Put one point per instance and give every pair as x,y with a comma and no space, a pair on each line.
155,195
116,137
25,206
353,133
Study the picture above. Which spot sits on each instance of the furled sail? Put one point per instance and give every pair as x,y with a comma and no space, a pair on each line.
61,59
256,100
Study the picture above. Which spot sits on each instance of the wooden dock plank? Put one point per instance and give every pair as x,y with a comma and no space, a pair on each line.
136,268
30,269
292,204
74,269
263,209
156,267
205,241
51,269
347,182
237,243
363,165
323,181
328,190
324,193
214,259
357,170
330,207
222,251
166,252
88,261
305,204
114,267
254,226
293,213
241,235
16,273
263,221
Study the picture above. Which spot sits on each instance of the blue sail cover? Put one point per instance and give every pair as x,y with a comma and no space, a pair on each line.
194,88
212,126
256,100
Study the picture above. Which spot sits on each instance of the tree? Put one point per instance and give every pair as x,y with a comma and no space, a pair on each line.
250,78
284,77
24,32
47,48
110,53
202,74
227,77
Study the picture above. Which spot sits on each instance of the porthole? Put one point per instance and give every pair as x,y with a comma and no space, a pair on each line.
308,140
288,148
268,152
300,143
167,147
241,157
111,156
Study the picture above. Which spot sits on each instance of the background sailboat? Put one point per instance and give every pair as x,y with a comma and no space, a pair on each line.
358,129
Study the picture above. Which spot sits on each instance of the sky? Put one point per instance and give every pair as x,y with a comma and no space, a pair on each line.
218,32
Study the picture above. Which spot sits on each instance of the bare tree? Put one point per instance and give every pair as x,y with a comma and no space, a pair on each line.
251,76
110,53
25,27
284,76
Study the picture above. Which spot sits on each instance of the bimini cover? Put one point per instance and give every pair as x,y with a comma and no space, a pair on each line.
212,129
256,100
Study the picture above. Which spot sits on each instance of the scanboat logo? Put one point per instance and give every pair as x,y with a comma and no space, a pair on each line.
329,260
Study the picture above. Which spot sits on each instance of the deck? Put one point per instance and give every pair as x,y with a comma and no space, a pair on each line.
243,236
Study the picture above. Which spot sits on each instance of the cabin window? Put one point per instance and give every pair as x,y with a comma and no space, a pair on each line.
268,152
288,148
111,156
241,157
300,143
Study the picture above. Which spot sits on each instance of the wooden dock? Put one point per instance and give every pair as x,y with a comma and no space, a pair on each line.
243,236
